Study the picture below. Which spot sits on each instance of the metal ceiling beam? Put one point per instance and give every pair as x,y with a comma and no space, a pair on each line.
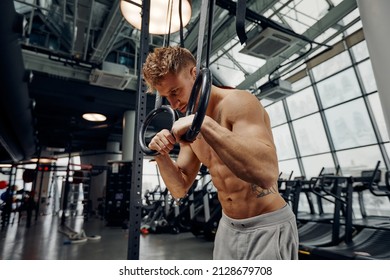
236,63
280,17
112,28
42,63
331,18
60,67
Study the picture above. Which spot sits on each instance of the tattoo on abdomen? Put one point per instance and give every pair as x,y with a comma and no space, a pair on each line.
260,192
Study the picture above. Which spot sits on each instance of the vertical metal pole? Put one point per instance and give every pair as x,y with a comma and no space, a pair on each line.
66,188
136,178
39,194
128,135
348,214
337,185
75,18
89,29
34,185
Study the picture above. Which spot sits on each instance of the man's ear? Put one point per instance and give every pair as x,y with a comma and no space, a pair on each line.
193,72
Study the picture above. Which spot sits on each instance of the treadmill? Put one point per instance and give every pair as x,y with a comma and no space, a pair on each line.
328,233
372,238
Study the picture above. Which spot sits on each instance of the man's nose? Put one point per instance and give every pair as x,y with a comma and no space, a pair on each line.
174,103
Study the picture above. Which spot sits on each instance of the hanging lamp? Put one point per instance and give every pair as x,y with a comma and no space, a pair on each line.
162,12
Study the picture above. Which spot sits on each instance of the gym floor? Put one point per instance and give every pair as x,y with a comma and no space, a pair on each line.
43,241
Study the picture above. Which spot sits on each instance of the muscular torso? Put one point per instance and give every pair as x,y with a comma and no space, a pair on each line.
239,199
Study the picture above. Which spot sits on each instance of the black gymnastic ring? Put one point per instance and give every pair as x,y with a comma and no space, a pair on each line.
202,87
141,137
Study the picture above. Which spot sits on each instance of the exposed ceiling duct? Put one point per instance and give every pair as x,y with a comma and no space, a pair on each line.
112,26
16,121
82,13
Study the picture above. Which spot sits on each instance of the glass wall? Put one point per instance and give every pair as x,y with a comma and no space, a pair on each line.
335,117
334,121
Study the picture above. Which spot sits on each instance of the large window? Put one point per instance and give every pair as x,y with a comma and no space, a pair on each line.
360,51
367,75
276,113
335,117
289,167
331,66
353,161
350,125
283,142
339,88
300,84
379,117
311,135
302,103
314,164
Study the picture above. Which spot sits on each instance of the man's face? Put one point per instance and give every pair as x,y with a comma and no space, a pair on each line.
176,88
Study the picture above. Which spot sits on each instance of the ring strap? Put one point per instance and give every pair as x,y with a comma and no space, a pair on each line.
240,20
202,27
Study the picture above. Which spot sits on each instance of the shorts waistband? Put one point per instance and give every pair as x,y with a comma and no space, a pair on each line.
279,216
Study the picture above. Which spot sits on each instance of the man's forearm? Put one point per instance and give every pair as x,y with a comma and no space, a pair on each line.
250,159
172,176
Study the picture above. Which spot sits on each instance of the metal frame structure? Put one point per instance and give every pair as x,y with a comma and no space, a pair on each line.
136,184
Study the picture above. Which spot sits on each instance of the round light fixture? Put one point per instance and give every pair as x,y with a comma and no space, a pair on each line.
161,13
94,117
43,160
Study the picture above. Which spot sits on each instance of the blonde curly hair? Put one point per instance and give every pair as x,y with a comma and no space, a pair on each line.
165,60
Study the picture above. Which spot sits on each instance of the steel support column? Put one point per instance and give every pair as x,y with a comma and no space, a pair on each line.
136,178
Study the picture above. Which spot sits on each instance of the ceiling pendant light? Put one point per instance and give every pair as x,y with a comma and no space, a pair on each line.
94,117
162,12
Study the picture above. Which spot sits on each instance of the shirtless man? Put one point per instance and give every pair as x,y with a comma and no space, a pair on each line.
236,144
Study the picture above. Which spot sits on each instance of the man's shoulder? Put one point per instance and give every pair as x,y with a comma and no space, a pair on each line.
240,98
236,96
239,104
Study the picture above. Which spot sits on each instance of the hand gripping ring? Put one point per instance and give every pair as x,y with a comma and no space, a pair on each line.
200,90
145,124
